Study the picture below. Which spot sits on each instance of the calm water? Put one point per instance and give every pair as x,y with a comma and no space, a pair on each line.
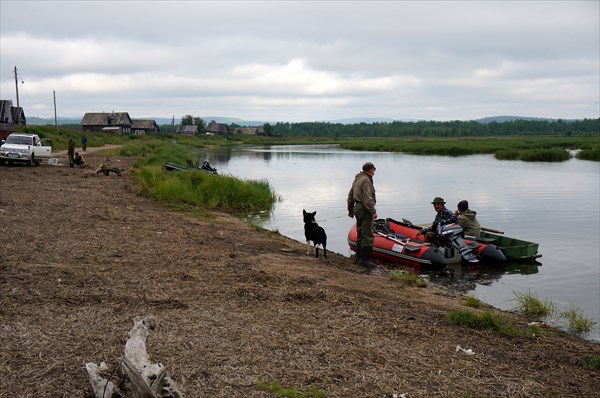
554,204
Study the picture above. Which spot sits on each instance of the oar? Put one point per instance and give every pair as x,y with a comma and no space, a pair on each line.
392,238
491,230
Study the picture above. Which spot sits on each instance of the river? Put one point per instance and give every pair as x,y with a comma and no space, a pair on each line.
554,204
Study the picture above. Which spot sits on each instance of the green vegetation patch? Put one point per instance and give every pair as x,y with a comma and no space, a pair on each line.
532,306
484,321
291,392
210,191
577,322
591,362
589,154
473,302
407,278
525,148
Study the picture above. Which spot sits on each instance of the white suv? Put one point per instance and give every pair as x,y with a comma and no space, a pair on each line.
24,148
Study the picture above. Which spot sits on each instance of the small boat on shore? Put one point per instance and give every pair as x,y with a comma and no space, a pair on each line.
170,166
393,249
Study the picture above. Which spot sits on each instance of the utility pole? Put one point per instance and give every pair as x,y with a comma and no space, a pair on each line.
17,89
55,118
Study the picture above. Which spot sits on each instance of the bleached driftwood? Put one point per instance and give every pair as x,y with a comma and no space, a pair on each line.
142,379
106,169
103,388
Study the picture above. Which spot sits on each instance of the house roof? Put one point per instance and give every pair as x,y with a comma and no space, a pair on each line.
5,111
17,114
187,129
217,128
144,124
101,119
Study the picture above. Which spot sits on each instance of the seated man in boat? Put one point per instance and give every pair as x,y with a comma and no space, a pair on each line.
467,219
443,217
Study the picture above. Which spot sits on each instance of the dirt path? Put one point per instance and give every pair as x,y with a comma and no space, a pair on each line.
83,254
88,150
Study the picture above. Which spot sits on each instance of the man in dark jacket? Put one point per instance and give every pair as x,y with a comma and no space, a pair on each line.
467,219
71,152
361,204
443,217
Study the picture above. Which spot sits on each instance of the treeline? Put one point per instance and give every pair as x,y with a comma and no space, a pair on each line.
456,128
585,127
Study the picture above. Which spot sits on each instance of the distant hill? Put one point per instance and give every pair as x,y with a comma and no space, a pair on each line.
40,121
367,120
500,119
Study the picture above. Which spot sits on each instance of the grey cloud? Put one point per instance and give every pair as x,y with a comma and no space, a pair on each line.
449,60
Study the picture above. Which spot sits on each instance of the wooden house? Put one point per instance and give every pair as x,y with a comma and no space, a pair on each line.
10,117
217,128
104,122
18,116
188,129
246,130
144,126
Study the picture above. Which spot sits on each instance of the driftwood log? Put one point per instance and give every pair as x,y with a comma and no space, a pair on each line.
140,377
106,169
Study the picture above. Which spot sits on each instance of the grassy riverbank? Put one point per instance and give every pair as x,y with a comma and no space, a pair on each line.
525,148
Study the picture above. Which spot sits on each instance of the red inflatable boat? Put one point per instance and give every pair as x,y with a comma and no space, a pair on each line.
400,242
391,248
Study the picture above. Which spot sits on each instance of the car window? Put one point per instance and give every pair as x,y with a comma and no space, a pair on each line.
18,140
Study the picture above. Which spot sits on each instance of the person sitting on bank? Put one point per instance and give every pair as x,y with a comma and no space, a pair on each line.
78,159
467,219
443,217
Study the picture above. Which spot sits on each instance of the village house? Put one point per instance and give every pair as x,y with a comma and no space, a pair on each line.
251,130
104,122
144,126
187,129
10,116
217,128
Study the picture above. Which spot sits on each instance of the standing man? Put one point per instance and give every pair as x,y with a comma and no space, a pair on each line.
443,217
71,152
83,143
361,204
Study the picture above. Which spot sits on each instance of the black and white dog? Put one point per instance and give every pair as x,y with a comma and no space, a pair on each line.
314,233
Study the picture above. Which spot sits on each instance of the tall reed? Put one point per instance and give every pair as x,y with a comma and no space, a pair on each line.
210,191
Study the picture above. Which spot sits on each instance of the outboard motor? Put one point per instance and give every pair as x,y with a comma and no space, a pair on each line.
451,235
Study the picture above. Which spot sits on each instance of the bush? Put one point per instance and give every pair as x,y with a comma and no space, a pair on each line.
589,154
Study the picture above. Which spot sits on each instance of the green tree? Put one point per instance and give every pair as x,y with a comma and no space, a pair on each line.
187,120
268,129
198,121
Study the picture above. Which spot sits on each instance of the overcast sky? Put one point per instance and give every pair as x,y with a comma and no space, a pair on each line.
303,61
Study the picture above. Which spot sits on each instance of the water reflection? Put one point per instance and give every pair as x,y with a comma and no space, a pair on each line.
464,278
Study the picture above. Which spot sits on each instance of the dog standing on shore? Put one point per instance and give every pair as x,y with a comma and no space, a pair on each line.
314,233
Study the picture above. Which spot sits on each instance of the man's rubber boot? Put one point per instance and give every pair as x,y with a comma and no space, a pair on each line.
356,257
365,258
